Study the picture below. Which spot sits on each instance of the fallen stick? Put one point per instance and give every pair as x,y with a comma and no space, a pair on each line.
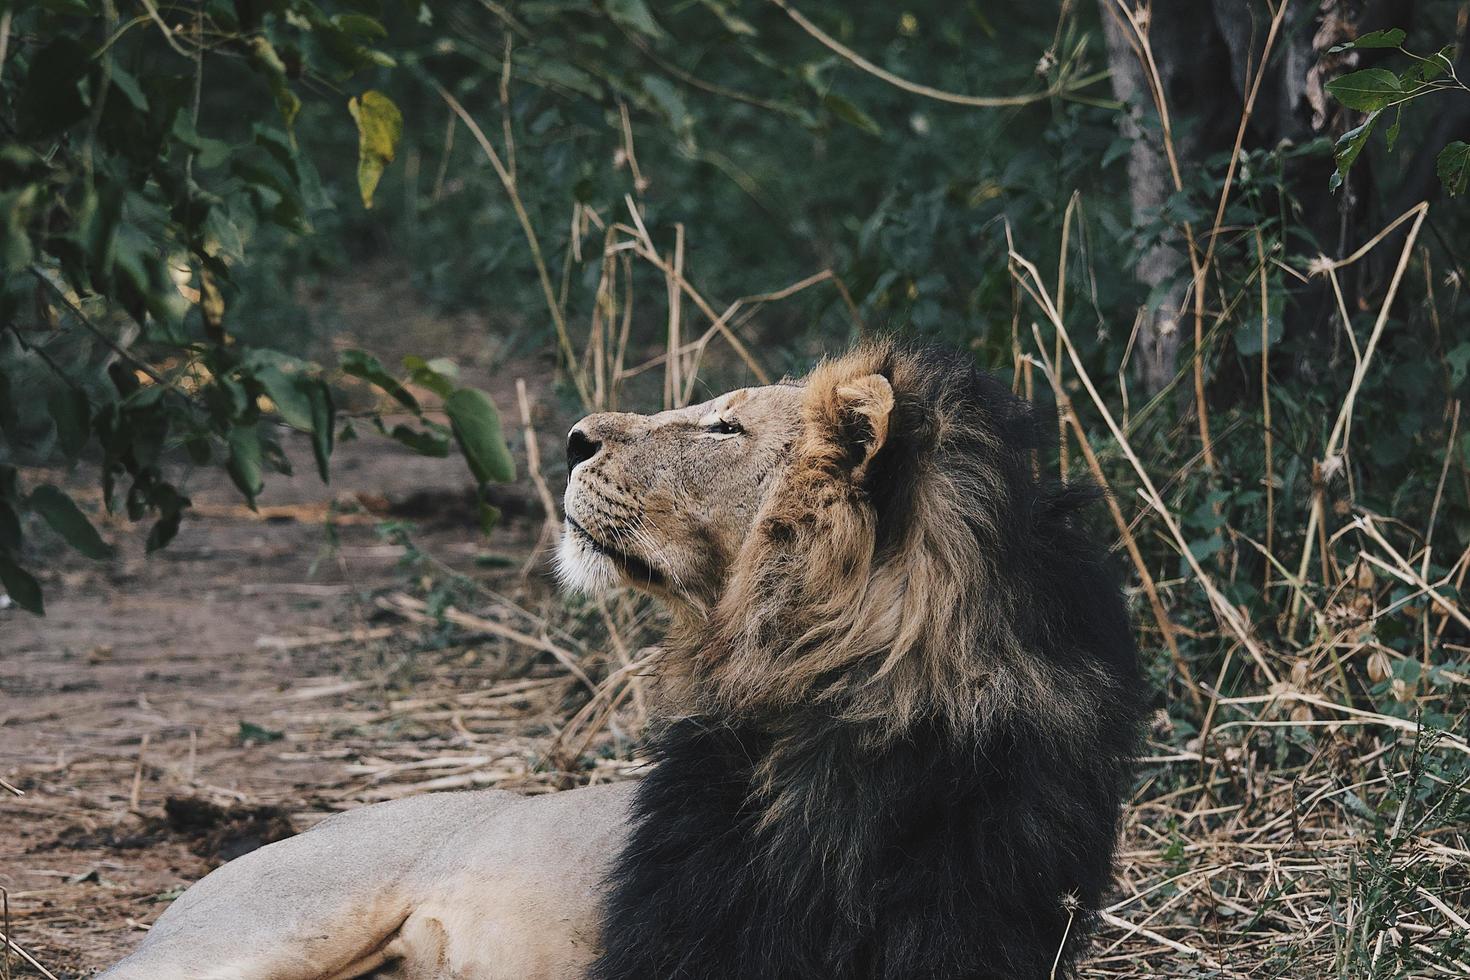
1162,940
323,639
27,957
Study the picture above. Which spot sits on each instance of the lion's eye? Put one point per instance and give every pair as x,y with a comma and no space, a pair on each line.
724,427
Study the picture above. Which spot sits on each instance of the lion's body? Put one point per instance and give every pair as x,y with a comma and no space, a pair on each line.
898,705
452,886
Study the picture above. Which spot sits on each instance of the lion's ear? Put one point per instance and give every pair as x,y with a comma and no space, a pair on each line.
864,406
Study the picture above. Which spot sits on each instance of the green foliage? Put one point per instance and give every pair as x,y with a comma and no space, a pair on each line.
1369,89
477,429
1377,90
1453,167
143,176
62,513
251,733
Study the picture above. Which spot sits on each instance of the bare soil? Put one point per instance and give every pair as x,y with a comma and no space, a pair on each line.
174,710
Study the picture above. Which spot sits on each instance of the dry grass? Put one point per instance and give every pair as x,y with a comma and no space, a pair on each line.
1313,827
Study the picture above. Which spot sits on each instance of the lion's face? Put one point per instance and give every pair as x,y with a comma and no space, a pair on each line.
872,539
665,502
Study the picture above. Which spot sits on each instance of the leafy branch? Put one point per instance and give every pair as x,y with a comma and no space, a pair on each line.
126,213
1375,91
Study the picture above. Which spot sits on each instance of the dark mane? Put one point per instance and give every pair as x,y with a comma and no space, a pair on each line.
793,826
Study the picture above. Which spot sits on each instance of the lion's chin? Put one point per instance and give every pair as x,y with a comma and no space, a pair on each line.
581,567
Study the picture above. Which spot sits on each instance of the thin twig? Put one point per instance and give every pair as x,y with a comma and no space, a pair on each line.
12,944
411,608
137,791
1224,611
1203,271
1266,434
1340,427
507,180
551,529
954,98
1068,415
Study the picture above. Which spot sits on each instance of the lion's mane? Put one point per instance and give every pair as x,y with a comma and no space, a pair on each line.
905,729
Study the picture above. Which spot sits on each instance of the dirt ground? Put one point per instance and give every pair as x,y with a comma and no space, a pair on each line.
174,710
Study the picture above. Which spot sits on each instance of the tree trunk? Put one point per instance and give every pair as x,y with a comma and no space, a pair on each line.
1207,53
1190,65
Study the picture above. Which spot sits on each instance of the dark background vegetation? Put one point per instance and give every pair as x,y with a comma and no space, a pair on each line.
1166,224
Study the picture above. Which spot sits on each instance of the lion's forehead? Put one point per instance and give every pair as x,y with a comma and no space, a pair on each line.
777,401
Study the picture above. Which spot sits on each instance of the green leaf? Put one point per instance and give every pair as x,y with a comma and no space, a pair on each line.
361,364
52,98
1248,332
555,72
669,102
9,528
165,529
67,520
269,62
379,127
23,590
430,443
259,734
361,25
733,23
437,375
1366,90
488,517
125,83
1453,167
851,114
304,401
323,427
1348,146
98,218
1206,547
272,454
476,426
1428,69
210,152
16,207
285,380
1355,804
1390,38
171,505
635,16
1457,358
73,417
245,461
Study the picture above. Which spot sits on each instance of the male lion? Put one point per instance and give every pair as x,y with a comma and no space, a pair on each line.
899,702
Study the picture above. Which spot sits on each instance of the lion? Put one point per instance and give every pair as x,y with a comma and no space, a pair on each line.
896,711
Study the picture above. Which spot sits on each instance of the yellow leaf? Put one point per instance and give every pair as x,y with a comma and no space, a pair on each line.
379,127
211,306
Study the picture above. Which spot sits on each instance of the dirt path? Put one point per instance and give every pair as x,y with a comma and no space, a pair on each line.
174,710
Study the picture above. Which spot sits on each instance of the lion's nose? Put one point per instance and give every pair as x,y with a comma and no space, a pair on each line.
580,448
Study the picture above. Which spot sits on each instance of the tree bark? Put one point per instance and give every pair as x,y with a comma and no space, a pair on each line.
1207,52
1191,64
